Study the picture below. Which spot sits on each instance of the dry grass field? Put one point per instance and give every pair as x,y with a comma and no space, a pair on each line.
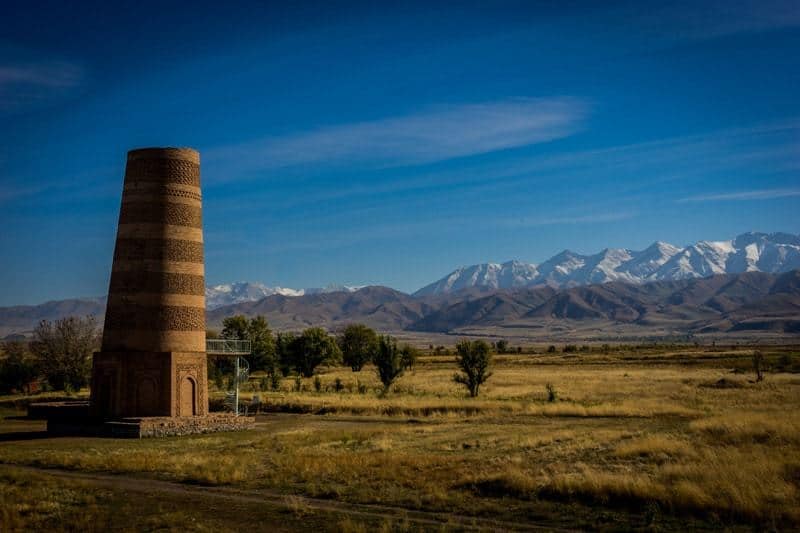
657,439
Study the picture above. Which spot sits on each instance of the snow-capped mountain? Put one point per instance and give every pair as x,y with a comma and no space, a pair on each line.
491,275
749,252
245,291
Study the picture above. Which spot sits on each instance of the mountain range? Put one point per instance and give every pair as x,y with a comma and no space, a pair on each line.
663,288
749,252
243,291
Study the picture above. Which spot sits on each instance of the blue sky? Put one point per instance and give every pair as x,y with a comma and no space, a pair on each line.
350,143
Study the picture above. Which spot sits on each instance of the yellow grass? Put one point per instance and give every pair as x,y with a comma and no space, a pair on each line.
623,438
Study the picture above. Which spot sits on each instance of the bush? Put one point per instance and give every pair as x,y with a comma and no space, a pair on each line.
502,346
552,395
551,349
388,361
474,359
358,344
63,351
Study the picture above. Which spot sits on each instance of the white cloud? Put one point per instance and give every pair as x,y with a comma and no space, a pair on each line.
25,84
435,135
759,194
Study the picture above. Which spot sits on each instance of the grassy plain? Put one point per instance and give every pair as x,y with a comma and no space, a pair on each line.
656,438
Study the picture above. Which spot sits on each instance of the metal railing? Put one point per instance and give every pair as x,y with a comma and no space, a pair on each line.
227,347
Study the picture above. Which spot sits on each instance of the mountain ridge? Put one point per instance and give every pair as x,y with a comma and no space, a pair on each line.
661,261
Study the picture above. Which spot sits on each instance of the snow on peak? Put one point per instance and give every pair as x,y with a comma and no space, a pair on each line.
774,252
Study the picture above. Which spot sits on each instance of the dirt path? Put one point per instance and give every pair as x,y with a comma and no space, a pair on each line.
291,503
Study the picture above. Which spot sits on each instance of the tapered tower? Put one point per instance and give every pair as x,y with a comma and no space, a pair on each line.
153,361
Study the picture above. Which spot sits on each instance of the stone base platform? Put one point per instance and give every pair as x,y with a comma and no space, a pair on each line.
73,419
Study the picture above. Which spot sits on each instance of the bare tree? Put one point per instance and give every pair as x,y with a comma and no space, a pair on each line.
64,349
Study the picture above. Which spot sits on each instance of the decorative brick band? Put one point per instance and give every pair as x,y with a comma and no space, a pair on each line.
162,171
134,282
155,318
161,213
162,231
158,249
161,191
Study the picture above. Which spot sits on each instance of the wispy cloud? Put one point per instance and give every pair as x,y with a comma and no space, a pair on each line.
759,194
438,134
25,84
525,222
712,18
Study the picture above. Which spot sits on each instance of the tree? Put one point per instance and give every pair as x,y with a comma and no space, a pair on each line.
388,362
18,369
474,359
359,344
262,343
502,346
235,327
283,351
63,350
312,348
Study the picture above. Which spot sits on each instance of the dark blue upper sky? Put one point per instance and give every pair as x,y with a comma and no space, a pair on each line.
358,144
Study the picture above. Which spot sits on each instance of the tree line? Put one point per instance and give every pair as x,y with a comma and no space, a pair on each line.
59,355
355,346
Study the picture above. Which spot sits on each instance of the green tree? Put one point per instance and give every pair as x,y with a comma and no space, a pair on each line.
262,343
388,362
358,344
283,351
63,350
502,346
310,349
235,327
474,359
18,368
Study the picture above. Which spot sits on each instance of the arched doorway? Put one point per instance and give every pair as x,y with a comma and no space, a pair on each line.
188,395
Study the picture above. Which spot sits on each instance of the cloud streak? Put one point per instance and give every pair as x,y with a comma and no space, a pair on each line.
25,84
425,137
759,194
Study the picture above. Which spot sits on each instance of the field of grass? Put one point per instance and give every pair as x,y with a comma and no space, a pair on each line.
665,439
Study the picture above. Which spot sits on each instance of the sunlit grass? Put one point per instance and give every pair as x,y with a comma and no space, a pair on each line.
625,437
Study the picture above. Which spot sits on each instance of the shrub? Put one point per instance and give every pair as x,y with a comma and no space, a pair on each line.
474,359
552,395
338,385
358,344
317,384
551,349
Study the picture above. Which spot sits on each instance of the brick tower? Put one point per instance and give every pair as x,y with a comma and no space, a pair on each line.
152,360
